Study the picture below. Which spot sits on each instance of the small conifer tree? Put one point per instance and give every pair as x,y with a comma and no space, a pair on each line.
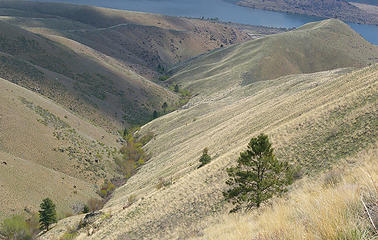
86,209
165,106
47,214
258,175
155,114
177,88
205,158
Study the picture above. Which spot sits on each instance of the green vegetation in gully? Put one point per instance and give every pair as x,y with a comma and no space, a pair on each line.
131,155
128,159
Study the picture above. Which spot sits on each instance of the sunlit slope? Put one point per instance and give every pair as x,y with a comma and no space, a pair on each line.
314,47
330,205
141,40
86,81
25,183
101,63
313,120
46,150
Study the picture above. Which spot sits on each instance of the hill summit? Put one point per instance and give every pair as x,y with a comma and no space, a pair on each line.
314,47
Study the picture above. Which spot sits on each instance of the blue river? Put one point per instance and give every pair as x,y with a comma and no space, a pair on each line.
224,10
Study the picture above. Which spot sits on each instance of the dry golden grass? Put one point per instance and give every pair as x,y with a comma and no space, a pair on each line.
314,47
314,120
316,208
25,183
35,163
332,118
104,61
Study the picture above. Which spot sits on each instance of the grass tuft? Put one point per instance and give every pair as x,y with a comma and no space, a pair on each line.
314,210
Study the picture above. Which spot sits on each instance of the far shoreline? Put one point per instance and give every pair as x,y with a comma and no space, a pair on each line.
358,17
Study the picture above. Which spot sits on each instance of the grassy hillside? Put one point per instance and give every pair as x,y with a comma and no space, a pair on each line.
46,151
314,120
102,59
311,48
329,207
142,41
70,78
83,80
67,69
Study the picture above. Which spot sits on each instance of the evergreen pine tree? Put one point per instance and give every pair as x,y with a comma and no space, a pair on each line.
165,106
86,209
258,175
47,214
205,158
155,114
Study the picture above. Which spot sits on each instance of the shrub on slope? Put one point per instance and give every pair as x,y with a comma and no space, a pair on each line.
317,209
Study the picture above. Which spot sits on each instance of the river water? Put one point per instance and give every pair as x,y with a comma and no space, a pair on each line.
224,10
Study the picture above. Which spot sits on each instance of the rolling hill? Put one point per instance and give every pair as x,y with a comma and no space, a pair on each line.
314,47
122,34
71,77
85,81
99,62
317,111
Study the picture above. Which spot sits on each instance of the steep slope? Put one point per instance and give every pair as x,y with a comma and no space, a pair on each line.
70,77
24,184
104,59
311,48
47,151
103,90
313,119
340,9
326,207
142,41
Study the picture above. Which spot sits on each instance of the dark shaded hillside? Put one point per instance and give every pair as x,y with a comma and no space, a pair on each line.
104,94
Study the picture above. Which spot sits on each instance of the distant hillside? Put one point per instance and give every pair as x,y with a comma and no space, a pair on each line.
142,41
87,82
340,9
314,47
100,62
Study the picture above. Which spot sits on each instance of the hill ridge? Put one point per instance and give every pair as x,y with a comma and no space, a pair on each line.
314,47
